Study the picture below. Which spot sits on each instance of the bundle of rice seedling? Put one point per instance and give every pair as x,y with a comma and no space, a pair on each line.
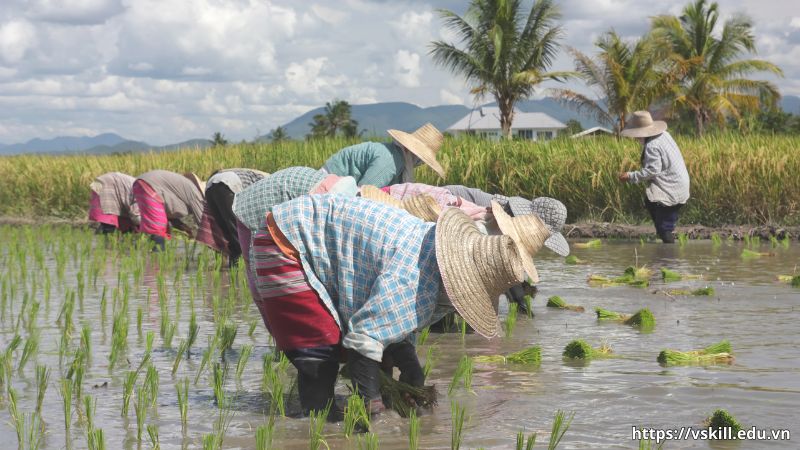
747,254
638,273
713,354
579,349
633,276
721,419
643,318
530,355
558,302
404,397
669,275
706,291
594,243
793,280
573,260
604,314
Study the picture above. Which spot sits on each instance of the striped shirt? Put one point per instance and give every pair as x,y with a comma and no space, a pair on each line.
373,266
115,192
182,198
236,179
375,163
664,170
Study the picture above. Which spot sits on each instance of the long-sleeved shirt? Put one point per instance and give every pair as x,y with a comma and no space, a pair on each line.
442,196
181,196
664,170
374,163
114,190
373,266
476,196
236,179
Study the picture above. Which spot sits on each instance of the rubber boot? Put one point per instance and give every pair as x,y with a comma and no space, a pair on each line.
365,375
315,381
666,237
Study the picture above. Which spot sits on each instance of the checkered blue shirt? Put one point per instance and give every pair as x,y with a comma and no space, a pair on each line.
374,266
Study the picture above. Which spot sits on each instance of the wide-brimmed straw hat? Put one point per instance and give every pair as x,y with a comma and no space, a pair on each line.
425,143
528,232
475,269
642,125
196,181
552,212
423,206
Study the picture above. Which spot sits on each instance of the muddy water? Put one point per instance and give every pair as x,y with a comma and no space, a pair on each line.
757,314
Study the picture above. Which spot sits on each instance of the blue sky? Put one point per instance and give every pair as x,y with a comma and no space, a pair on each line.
163,71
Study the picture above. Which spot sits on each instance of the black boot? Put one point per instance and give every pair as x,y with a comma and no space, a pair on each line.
666,237
316,378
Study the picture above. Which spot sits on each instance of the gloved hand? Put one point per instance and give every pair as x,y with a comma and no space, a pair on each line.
403,355
365,375
517,293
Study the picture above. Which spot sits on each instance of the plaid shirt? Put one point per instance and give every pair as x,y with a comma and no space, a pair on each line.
251,205
373,266
373,163
115,190
664,170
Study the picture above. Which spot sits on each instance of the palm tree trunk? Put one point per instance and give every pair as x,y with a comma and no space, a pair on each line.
506,115
698,116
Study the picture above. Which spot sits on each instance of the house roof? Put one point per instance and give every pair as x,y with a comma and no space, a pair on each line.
593,130
488,118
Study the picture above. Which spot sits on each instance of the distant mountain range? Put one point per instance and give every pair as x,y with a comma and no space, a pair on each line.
373,120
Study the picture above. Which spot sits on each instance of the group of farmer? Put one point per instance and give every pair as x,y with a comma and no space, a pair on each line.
348,261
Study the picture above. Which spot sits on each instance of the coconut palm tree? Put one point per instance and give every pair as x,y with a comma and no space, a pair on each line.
506,52
714,85
625,77
336,118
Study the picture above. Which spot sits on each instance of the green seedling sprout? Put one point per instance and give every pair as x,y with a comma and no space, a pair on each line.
251,328
356,418
429,360
127,390
558,302
422,338
716,241
218,378
317,421
42,377
182,389
594,243
140,406
28,351
151,383
413,430
182,348
561,424
642,318
522,444
750,254
152,433
226,333
511,320
403,397
244,356
719,353
573,260
669,275
707,291
462,373
529,356
579,349
264,434
139,318
17,418
368,441
192,336
683,238
723,420
169,333
457,418
66,397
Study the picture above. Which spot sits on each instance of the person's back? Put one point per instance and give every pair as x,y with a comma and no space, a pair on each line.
375,163
670,185
181,197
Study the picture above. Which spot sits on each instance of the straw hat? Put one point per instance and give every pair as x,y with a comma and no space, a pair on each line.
528,232
425,143
196,181
475,269
423,206
552,212
642,125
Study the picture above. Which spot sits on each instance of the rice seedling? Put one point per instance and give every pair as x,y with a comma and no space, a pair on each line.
573,260
28,351
523,444
561,424
42,377
793,280
128,384
669,275
368,441
226,333
244,356
429,360
511,320
457,418
169,333
594,243
356,418
404,398
17,420
579,349
413,430
750,254
264,434
423,335
33,430
558,302
722,420
529,356
719,353
462,373
207,355
683,238
316,420
704,291
218,379
140,406
182,390
139,319
66,397
251,327
716,241
152,433
151,384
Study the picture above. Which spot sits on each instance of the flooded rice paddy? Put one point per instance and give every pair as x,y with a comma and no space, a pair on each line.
111,281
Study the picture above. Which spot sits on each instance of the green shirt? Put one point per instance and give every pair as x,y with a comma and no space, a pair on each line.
374,163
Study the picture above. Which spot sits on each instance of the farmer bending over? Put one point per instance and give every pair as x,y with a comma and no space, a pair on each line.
662,168
381,164
168,199
337,273
111,205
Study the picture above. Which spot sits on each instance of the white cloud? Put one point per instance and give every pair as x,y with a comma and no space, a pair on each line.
407,68
304,78
75,11
333,16
449,98
16,38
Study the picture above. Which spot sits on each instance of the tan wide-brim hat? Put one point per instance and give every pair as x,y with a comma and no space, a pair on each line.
475,268
423,206
196,181
425,143
642,125
528,232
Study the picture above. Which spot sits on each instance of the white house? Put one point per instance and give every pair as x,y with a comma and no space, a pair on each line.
485,122
595,131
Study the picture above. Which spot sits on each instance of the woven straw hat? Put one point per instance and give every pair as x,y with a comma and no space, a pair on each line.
528,232
423,206
196,181
425,143
475,269
552,212
642,125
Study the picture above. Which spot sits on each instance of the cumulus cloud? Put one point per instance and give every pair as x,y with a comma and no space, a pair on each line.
83,12
407,68
16,38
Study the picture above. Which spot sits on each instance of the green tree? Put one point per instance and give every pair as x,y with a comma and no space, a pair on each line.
506,52
573,127
278,135
218,140
713,85
625,76
336,119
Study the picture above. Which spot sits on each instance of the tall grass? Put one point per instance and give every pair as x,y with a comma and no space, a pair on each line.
735,178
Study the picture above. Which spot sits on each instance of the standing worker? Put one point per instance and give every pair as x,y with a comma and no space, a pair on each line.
380,164
168,199
662,168
111,205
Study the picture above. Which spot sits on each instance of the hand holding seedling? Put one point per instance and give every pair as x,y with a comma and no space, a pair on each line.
624,177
